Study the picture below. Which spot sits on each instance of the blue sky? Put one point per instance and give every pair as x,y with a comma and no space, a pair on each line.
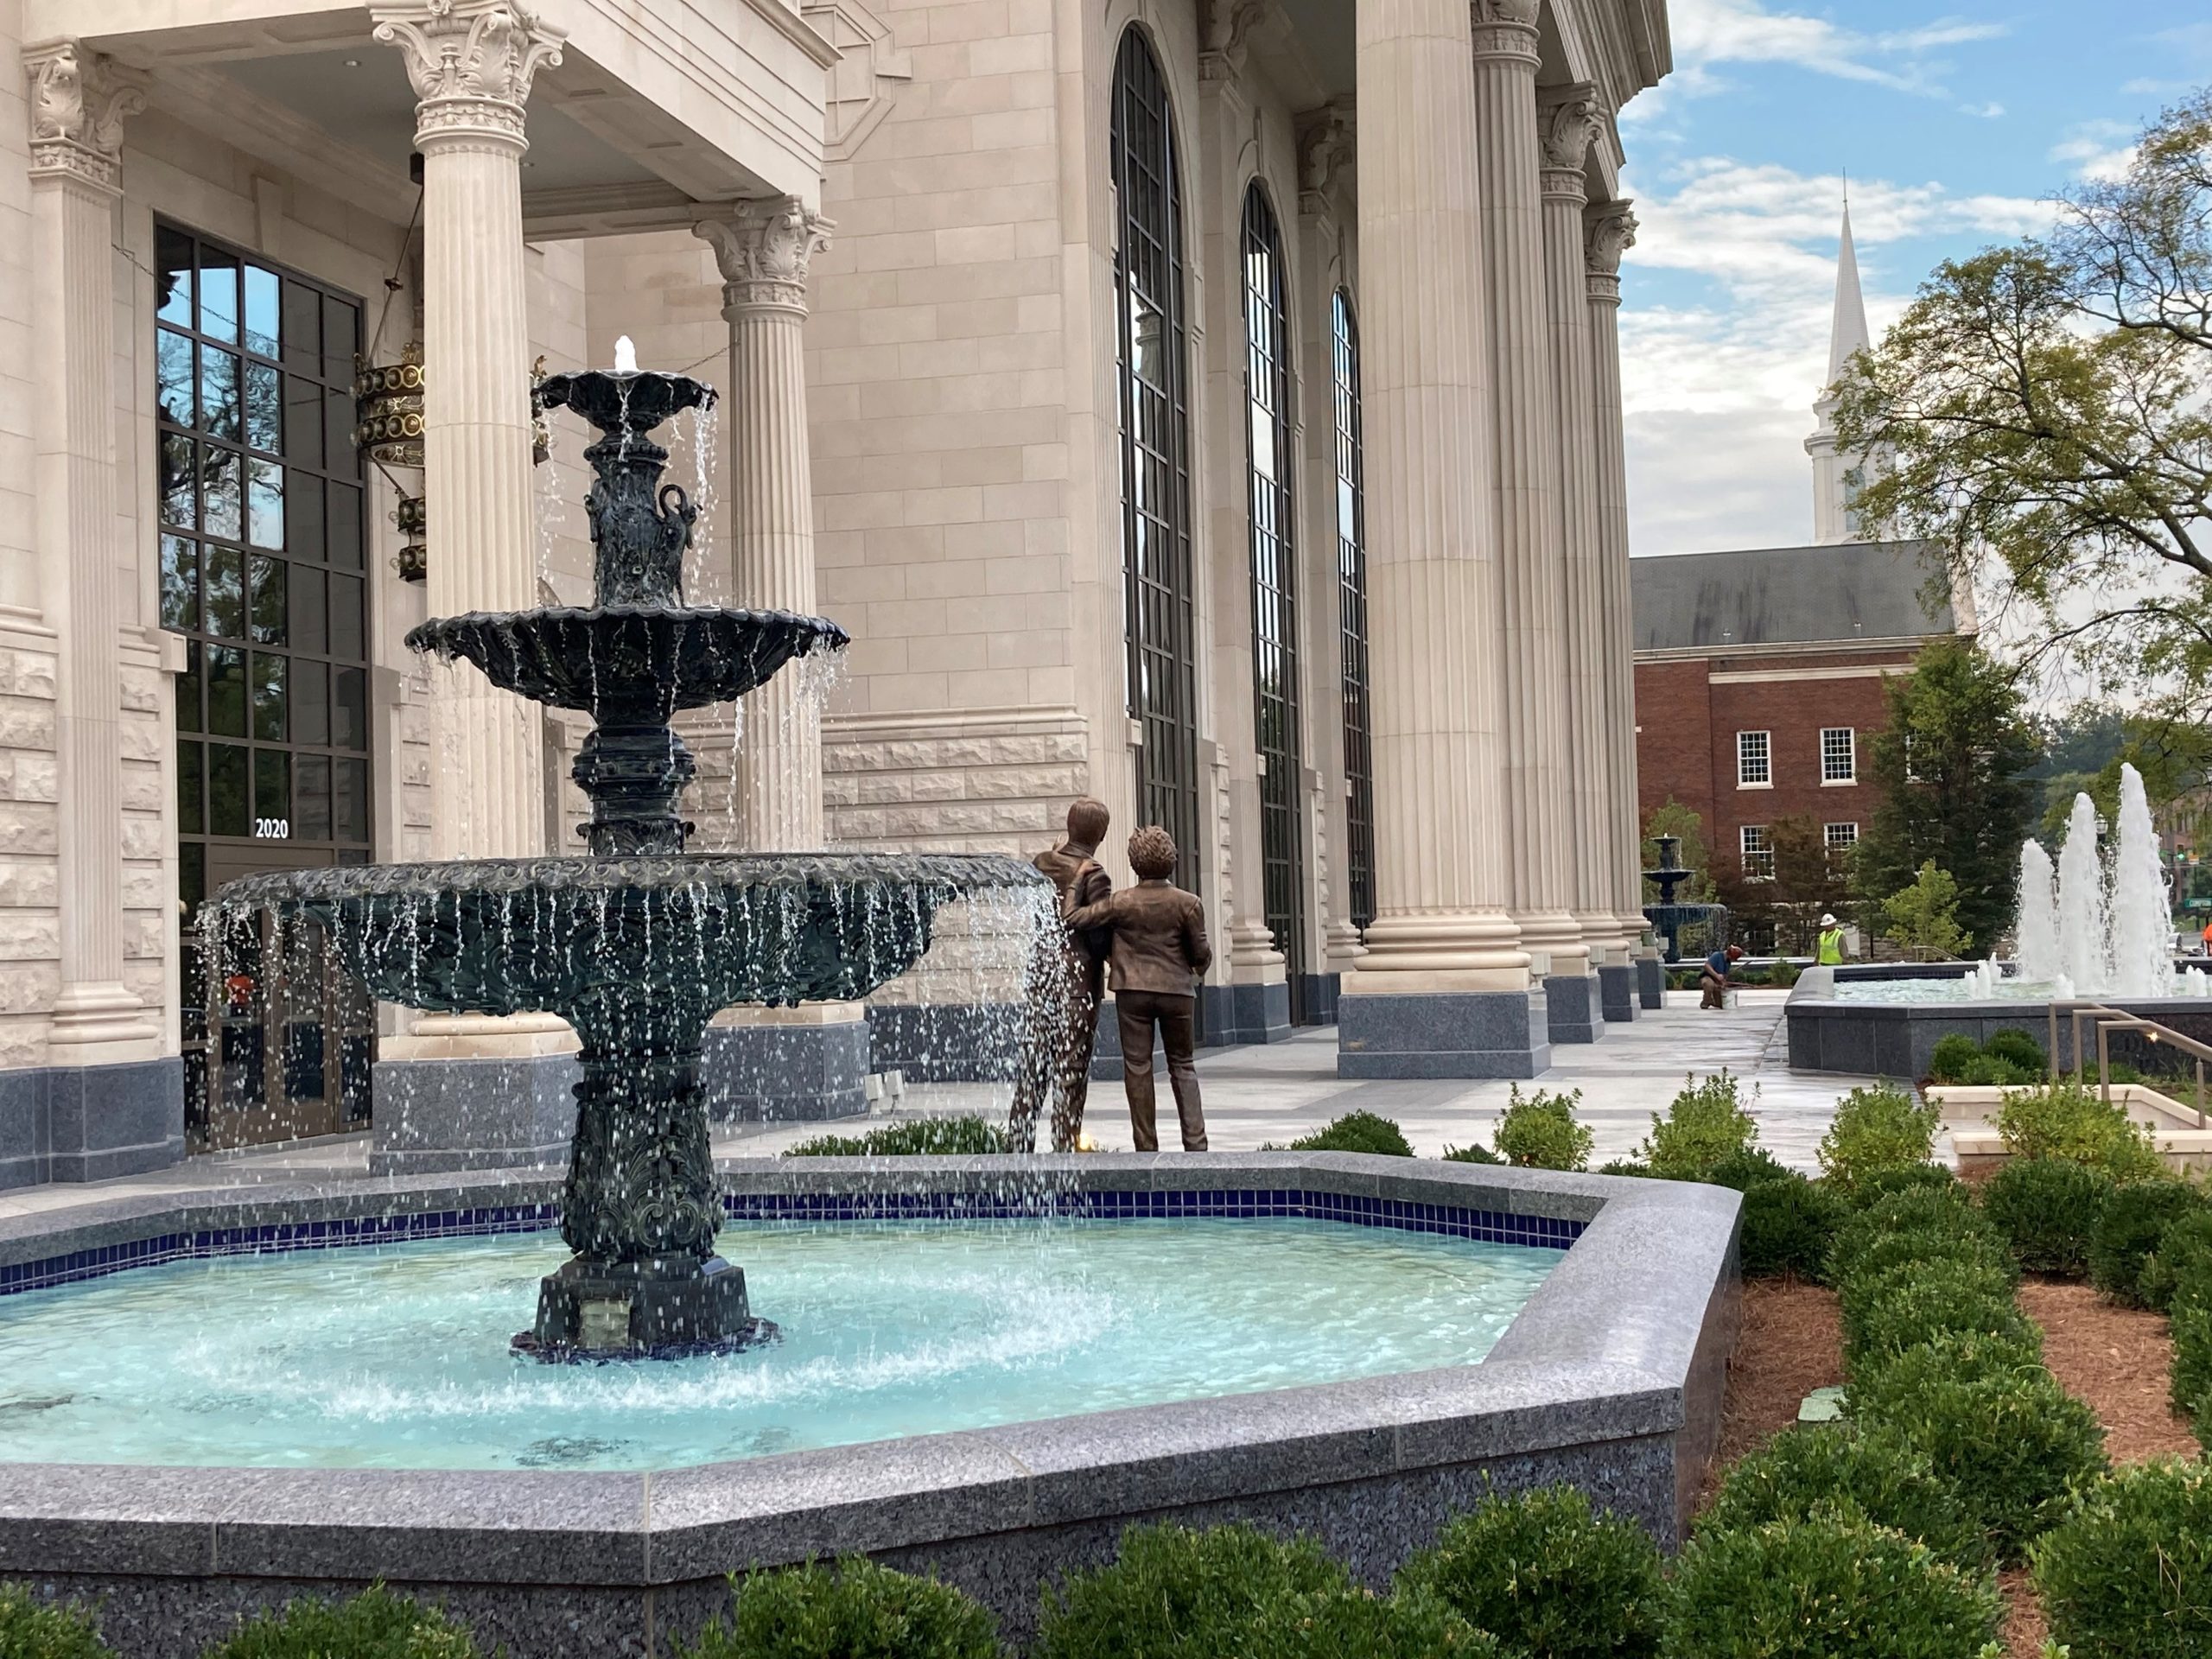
1956,123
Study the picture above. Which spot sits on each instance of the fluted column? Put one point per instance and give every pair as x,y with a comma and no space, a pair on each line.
762,248
1570,120
471,63
1438,691
1608,229
1525,439
79,99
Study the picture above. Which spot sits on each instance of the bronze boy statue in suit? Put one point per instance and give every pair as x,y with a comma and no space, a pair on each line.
1058,1059
1159,947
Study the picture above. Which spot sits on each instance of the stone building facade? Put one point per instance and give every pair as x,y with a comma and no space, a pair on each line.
1209,404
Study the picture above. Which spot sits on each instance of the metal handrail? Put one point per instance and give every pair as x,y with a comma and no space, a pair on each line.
2106,1020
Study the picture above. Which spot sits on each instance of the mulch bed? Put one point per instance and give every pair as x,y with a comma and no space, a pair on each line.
2118,1359
1791,1343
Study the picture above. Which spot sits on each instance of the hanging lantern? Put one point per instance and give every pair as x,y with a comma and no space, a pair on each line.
388,406
413,517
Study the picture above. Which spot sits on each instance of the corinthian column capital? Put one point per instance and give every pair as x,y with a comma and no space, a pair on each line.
1608,230
1228,27
764,247
1506,29
471,63
79,101
1326,138
1569,119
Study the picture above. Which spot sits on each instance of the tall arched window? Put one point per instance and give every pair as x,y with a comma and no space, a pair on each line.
1351,613
1154,390
1275,600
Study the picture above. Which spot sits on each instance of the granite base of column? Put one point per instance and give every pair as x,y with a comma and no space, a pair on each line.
1248,1014
787,1073
1651,981
946,1042
1322,991
1573,1011
91,1122
1106,1045
1443,1034
1617,991
432,1116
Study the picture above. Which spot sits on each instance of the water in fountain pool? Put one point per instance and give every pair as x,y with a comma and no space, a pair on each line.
396,1356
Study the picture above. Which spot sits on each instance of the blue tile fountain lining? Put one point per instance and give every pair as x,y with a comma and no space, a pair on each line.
1487,1226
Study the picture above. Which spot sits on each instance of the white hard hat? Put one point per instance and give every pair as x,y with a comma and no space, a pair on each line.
1827,920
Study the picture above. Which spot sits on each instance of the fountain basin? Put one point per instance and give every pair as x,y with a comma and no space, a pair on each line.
704,931
1855,1020
1609,1378
628,663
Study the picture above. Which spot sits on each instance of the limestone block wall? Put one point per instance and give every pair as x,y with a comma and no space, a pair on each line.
31,921
983,781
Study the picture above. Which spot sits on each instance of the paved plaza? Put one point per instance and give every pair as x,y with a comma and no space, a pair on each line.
1254,1095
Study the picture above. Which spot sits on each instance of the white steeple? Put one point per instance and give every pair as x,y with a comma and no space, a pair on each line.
1835,476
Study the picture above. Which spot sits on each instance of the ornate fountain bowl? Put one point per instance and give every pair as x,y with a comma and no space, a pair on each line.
641,662
615,944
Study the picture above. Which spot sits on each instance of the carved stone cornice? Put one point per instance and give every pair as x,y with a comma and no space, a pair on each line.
1506,29
1608,230
1569,119
1326,139
763,247
471,63
1228,28
78,102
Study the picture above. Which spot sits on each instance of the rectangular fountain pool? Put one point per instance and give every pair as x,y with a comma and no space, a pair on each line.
396,1355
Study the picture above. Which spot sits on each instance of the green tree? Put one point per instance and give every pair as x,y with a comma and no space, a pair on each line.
1923,916
2044,410
1676,819
1951,767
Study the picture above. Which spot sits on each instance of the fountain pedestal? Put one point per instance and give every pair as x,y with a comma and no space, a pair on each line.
666,1309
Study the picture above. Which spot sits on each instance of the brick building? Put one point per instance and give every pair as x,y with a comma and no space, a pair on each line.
1759,681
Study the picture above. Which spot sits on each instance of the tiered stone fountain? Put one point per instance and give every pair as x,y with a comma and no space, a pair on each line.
640,944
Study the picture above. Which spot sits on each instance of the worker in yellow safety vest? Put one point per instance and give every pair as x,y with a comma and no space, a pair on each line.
1831,954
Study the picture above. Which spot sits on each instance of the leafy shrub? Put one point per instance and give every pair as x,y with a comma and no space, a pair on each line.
1748,1168
31,1629
1176,1594
2002,1432
2131,1572
920,1137
1547,1578
1908,1227
2187,1239
1629,1166
1706,1122
1787,1229
1949,1060
2191,1376
1885,1314
1912,1177
375,1624
1538,1131
1994,1072
2020,1049
2065,1119
1823,1588
1357,1132
855,1610
2134,1220
1351,1625
1477,1154
2047,1208
1876,1128
1848,1470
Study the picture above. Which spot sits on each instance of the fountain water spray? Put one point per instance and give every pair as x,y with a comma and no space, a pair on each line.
2105,930
2084,955
2142,924
2036,931
640,944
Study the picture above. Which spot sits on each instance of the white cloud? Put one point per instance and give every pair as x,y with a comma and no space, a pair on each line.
1706,32
2097,149
1719,393
1989,111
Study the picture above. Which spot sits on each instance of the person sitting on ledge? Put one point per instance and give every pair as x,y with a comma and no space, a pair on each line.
1159,947
1713,982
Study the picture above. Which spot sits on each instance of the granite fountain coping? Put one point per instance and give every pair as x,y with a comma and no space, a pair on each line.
1603,1351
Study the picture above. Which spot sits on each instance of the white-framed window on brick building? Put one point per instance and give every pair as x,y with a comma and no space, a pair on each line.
1754,759
1838,838
1839,754
1756,848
